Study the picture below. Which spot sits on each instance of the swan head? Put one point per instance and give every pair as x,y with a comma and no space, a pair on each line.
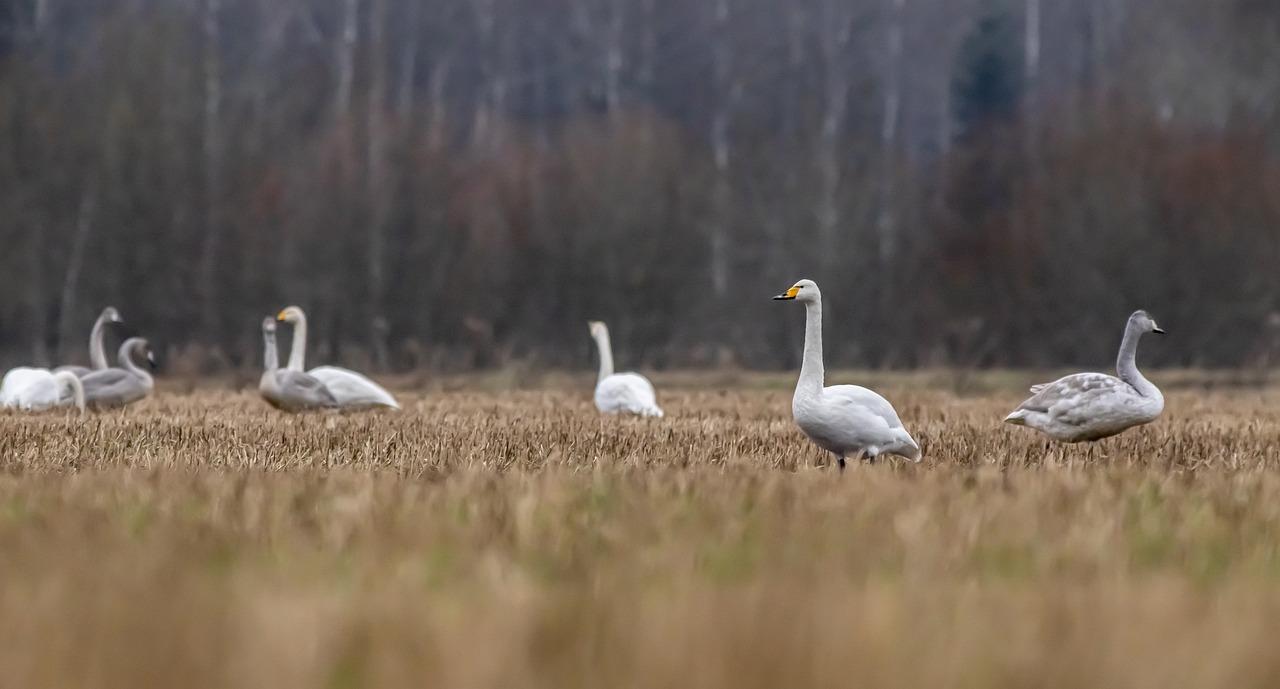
110,315
140,347
269,326
803,291
292,314
1145,322
598,329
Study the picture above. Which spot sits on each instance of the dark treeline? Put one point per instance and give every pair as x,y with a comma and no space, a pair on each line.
456,183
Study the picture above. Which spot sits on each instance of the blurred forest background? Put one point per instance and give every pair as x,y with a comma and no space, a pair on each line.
464,183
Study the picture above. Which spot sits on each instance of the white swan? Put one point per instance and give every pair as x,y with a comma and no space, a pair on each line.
117,387
616,393
97,354
289,390
39,389
349,388
841,419
1091,406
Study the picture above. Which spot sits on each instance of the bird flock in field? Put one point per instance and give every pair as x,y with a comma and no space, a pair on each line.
845,420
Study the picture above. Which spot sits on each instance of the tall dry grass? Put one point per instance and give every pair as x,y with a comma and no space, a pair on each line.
519,540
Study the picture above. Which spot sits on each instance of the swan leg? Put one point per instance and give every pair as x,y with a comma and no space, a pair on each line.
840,460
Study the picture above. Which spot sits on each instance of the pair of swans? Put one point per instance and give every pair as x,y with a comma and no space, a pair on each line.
852,420
324,387
38,389
620,393
100,386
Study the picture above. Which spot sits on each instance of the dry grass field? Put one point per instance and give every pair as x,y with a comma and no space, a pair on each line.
494,539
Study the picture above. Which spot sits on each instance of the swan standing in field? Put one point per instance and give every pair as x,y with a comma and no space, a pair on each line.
1091,406
616,393
40,389
841,419
349,388
117,387
287,390
97,354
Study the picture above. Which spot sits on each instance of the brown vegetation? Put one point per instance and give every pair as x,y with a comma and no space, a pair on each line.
518,539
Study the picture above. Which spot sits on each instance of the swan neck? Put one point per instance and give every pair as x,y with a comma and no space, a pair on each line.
97,355
1127,362
270,358
606,355
812,374
126,362
77,388
298,350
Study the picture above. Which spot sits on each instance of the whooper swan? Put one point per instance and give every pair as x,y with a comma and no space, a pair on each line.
292,391
629,393
41,389
841,419
350,389
97,354
117,387
1091,406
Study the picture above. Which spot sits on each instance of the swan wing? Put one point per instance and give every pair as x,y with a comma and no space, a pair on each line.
295,391
1085,406
629,393
851,397
352,389
112,387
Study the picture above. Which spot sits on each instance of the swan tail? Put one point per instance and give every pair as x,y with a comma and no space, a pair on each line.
1017,418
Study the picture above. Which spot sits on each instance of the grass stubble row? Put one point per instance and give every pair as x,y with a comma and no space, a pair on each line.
519,540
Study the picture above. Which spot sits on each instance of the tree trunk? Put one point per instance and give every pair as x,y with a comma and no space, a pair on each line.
376,174
212,150
75,263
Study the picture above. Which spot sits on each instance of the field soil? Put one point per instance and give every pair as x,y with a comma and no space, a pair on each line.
485,537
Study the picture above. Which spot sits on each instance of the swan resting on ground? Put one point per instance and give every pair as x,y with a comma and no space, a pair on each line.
38,389
629,393
1092,406
287,390
350,389
97,354
117,387
841,419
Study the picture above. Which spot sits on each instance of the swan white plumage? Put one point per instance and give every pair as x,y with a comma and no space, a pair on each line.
287,390
1092,406
841,419
37,389
97,353
629,393
117,387
349,388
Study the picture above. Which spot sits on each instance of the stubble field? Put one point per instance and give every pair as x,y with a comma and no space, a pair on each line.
516,539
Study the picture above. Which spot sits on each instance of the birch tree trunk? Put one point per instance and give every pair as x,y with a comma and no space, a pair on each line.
837,29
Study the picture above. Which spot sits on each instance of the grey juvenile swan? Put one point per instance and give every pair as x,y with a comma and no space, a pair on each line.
288,390
117,387
97,354
1091,406
351,389
841,419
616,393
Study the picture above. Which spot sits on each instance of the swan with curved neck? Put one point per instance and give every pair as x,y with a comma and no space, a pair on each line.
1092,406
41,389
97,353
286,389
617,393
128,383
841,419
349,388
